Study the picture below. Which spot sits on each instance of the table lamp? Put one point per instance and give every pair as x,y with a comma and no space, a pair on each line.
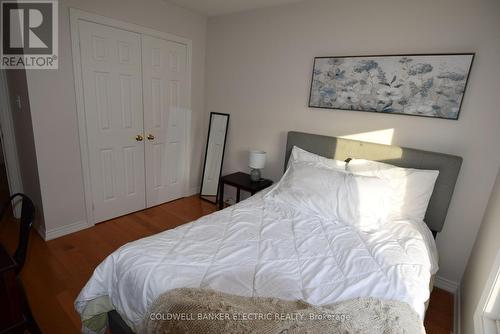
256,161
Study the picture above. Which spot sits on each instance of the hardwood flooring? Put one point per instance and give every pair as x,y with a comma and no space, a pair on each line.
56,270
439,317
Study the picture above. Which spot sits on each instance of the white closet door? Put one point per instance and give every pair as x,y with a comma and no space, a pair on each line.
165,118
112,83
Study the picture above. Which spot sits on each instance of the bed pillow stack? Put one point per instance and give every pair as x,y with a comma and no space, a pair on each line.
406,192
316,188
411,189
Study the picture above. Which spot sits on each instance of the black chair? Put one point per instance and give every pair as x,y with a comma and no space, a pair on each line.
25,224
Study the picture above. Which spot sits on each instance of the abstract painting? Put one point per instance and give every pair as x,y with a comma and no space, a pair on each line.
421,85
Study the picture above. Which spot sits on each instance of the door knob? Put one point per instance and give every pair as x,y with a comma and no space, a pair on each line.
139,138
151,137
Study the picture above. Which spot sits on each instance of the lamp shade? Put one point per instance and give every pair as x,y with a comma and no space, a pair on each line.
257,159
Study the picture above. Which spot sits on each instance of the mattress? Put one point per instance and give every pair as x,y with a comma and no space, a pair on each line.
260,247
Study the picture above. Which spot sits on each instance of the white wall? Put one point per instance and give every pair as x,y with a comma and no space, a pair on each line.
259,66
481,260
53,105
25,143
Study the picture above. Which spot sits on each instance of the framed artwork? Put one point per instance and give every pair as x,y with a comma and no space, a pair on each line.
430,85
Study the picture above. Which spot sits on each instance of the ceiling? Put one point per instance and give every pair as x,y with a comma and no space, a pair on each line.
220,7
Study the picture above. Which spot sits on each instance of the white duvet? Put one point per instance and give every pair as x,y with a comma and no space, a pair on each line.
260,247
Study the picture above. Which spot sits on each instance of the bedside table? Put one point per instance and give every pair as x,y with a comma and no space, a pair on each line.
240,181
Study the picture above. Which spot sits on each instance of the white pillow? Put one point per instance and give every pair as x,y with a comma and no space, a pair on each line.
364,201
300,155
316,189
411,189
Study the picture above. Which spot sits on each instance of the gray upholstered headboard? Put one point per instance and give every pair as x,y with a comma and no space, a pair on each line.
341,149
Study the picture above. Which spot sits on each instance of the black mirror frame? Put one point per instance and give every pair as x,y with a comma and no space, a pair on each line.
222,158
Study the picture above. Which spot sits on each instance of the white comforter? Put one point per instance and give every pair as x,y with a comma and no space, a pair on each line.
262,248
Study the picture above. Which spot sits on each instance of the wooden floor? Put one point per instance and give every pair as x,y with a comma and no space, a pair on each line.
56,270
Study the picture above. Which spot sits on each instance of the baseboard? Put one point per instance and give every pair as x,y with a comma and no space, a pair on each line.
193,191
67,229
446,284
453,288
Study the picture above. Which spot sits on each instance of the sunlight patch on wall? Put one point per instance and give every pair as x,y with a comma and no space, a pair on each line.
377,136
347,149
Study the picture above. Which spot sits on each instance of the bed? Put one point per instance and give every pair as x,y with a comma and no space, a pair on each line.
261,247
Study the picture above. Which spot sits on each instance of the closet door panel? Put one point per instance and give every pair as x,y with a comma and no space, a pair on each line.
112,84
165,119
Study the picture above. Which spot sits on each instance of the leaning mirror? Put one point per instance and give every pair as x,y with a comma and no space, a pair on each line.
214,154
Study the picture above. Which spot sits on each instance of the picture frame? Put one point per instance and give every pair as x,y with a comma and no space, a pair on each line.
426,85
